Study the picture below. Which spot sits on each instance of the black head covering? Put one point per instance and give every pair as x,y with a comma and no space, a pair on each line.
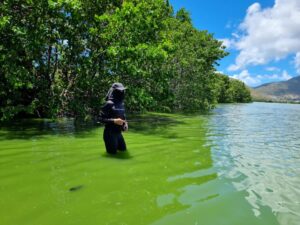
116,92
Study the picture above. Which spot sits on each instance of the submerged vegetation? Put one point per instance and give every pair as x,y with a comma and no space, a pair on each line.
58,58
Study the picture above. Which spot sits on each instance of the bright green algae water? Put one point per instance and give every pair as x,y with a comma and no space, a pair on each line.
230,167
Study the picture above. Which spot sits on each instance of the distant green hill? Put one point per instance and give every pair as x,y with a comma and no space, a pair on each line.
285,91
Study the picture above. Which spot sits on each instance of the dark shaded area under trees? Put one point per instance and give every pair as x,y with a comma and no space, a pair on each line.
58,58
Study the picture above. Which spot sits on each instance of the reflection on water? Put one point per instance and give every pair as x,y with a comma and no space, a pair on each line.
257,148
239,165
58,172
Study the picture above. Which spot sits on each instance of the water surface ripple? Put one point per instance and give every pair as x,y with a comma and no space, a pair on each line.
239,165
257,148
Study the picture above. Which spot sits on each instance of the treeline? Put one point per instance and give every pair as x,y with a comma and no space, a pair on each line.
231,90
59,57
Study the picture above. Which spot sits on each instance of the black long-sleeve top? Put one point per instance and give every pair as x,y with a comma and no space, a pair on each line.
110,111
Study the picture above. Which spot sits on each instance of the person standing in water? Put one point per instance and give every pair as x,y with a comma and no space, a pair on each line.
113,116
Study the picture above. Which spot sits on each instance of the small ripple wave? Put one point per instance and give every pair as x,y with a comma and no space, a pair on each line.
257,147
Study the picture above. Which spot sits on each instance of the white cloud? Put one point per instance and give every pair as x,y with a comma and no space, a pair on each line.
297,62
228,25
252,81
254,8
226,42
236,35
285,76
247,79
233,68
272,69
219,72
268,34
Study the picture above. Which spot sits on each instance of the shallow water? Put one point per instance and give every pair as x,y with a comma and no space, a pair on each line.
239,165
257,148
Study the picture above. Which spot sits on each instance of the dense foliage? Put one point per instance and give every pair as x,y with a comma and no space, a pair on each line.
231,90
59,57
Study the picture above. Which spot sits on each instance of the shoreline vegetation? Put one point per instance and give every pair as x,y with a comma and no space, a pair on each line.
58,59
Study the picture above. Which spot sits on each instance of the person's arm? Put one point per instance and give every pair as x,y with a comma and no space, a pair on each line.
105,114
106,117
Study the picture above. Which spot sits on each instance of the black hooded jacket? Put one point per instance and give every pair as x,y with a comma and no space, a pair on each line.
113,109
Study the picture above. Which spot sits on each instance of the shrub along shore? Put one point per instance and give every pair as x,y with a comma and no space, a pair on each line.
59,57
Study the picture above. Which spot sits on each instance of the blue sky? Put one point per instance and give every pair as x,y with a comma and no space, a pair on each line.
262,37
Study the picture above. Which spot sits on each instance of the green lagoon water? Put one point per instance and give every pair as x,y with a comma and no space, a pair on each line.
240,165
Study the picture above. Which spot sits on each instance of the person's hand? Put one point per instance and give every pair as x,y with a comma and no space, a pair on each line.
119,121
125,126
